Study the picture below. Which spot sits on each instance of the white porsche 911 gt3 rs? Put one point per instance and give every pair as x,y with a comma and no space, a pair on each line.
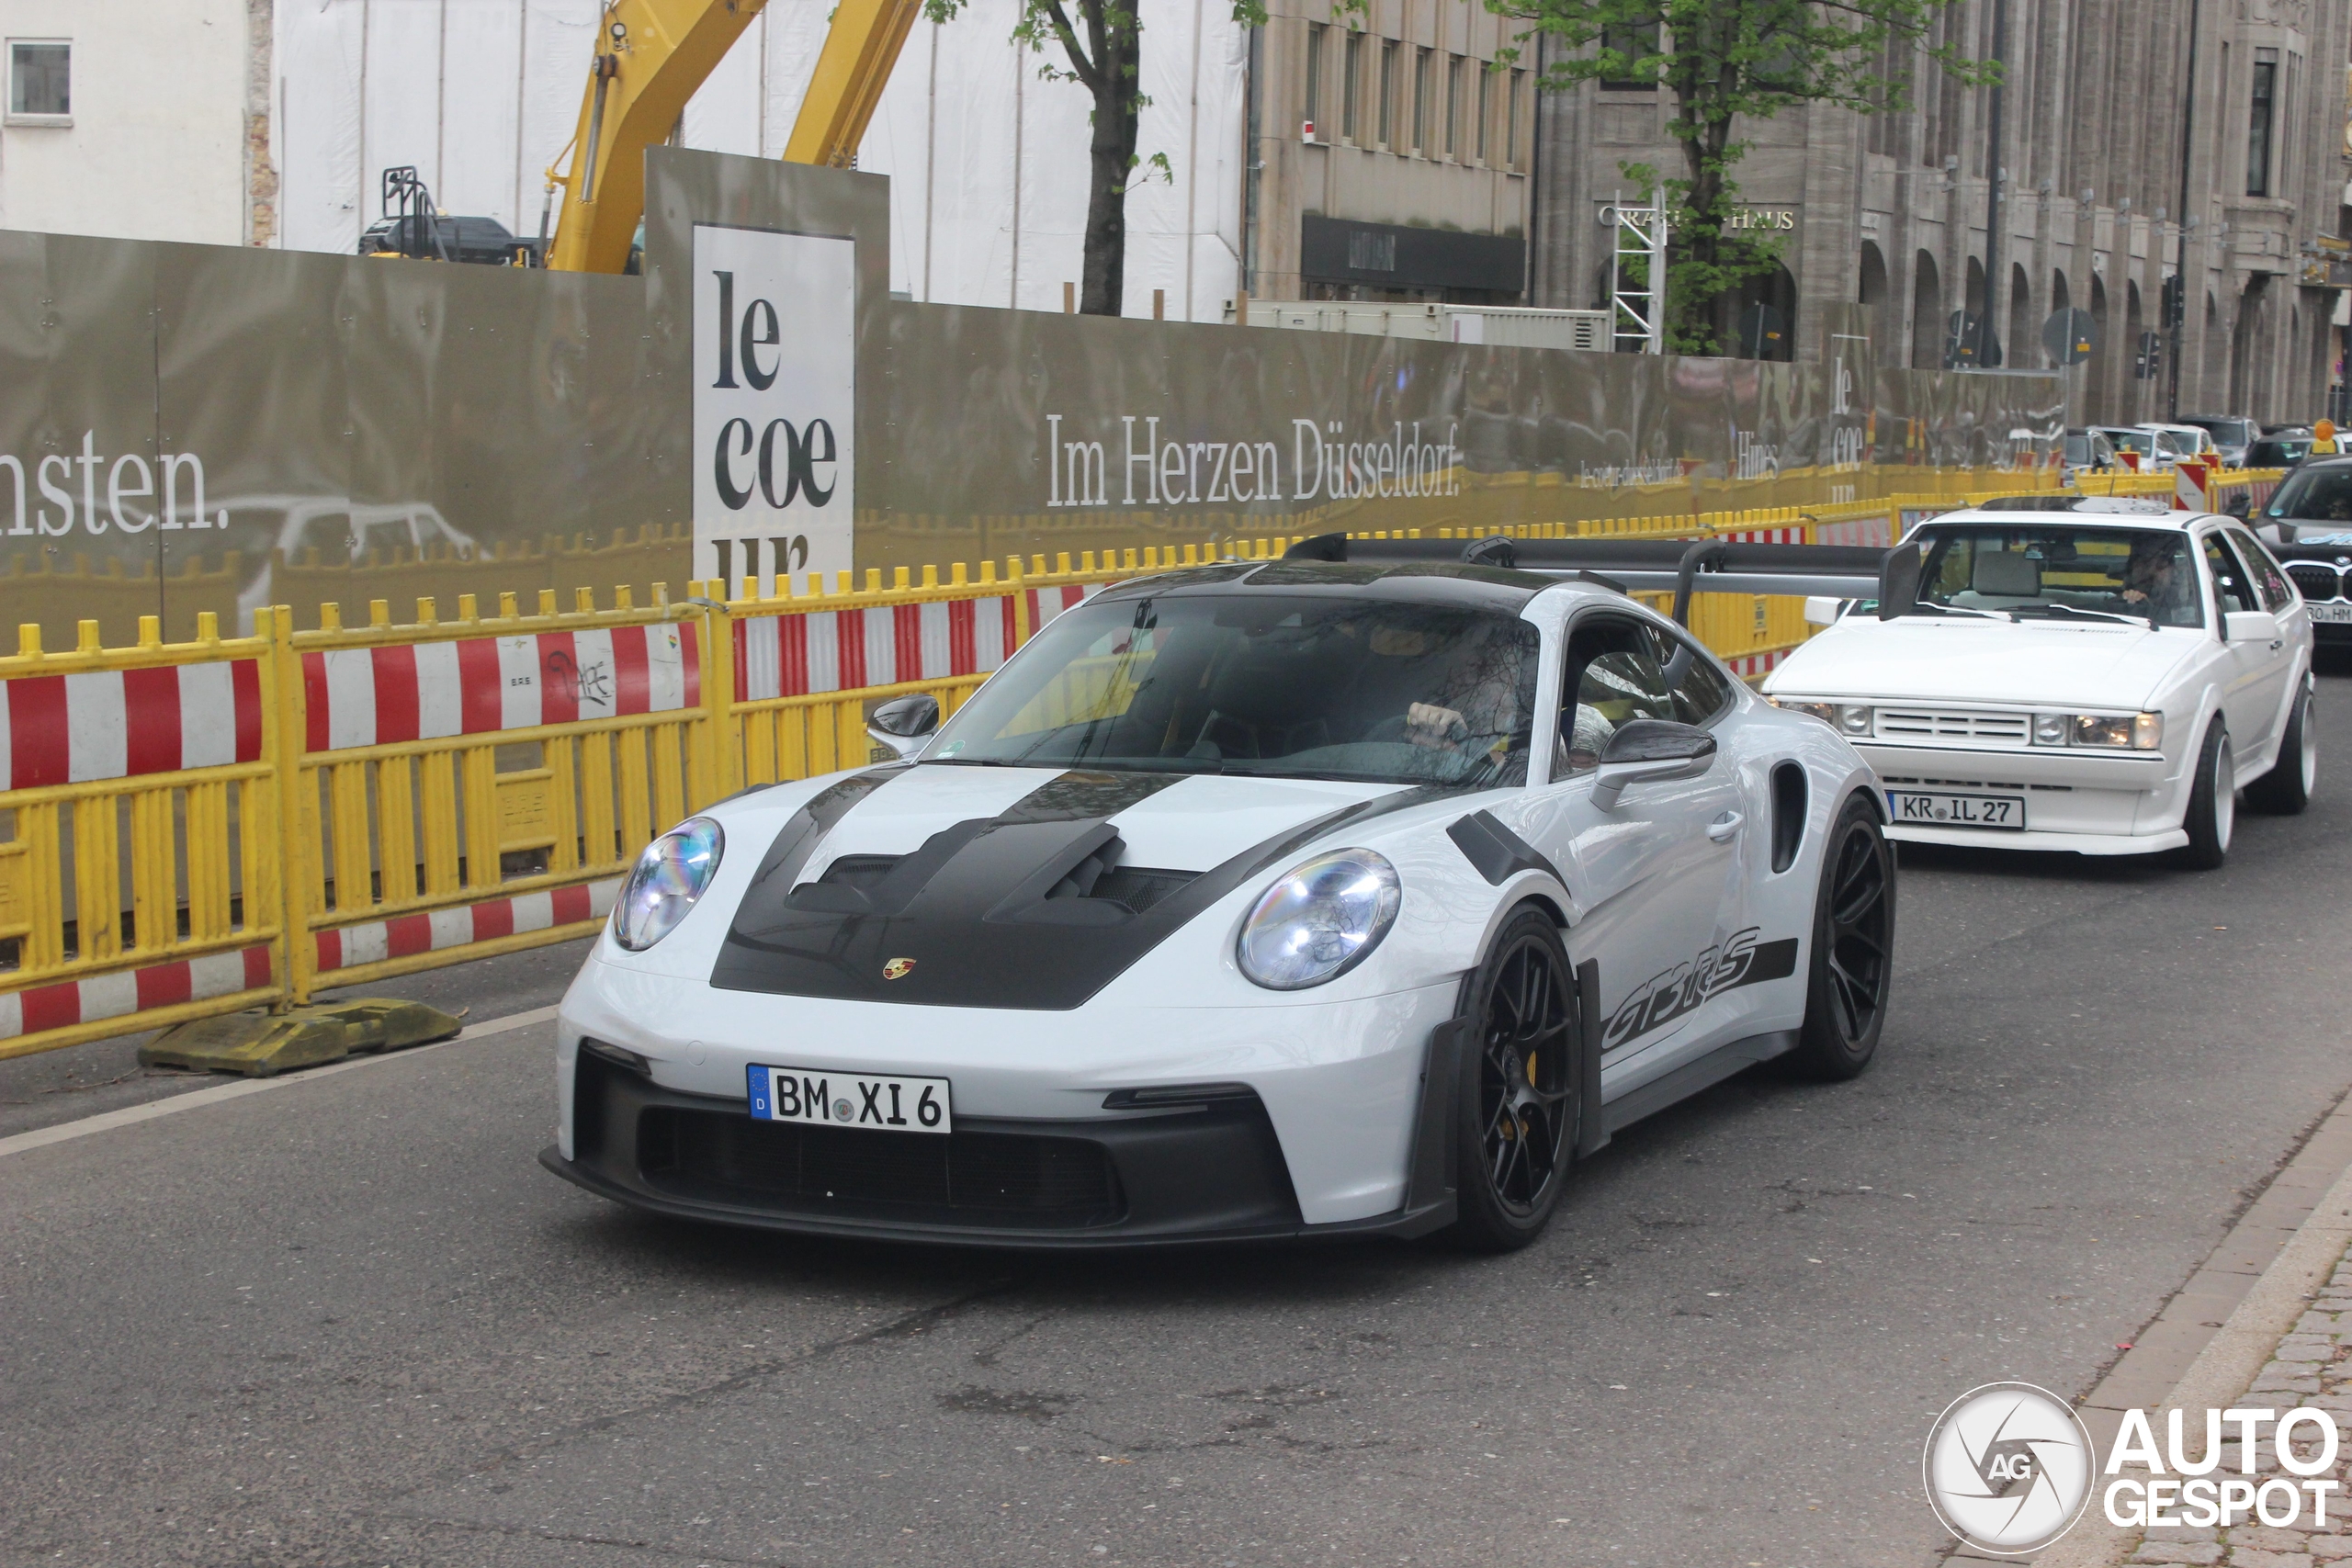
1262,900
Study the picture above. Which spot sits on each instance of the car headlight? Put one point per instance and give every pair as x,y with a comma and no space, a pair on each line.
2136,732
2130,732
1319,919
665,882
1826,712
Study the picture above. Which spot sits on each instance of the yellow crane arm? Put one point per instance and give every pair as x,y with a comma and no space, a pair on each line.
650,56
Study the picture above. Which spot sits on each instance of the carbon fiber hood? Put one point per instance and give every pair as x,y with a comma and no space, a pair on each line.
1036,907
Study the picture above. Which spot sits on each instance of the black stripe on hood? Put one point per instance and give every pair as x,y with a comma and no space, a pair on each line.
1030,909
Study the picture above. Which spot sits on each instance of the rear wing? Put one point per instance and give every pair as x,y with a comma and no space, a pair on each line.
1681,567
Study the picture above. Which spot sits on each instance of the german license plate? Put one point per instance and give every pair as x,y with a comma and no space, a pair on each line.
2338,613
850,1099
1947,808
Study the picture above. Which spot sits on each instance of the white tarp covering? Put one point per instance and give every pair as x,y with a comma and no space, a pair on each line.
987,161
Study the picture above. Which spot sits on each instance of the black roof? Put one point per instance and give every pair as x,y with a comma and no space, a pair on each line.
1411,582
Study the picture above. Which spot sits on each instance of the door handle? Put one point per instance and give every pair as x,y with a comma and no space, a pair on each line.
1722,829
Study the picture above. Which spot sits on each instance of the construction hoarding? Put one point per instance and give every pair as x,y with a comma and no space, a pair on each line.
190,428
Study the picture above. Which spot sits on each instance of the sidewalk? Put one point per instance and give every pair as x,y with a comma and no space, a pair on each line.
2266,1322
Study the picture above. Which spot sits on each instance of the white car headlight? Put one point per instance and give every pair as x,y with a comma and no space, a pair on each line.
665,882
2134,732
1320,919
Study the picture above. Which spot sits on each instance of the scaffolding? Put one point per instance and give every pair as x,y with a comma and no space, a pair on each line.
1639,310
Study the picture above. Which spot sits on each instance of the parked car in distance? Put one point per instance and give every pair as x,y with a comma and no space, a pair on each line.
2231,432
2086,451
2175,442
2277,451
2135,440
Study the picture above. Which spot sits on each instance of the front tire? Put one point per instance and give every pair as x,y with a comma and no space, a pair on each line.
1853,949
2286,789
2212,802
1516,1102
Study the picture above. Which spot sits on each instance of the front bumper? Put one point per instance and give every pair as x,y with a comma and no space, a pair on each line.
1209,1173
2121,804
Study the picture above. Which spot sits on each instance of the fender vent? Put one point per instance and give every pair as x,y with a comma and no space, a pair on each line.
1789,796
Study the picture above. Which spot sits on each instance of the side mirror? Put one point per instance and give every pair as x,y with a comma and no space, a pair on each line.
1899,582
1650,750
902,725
2241,507
2248,626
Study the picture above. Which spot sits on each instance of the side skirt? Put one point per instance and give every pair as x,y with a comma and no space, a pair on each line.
1709,1070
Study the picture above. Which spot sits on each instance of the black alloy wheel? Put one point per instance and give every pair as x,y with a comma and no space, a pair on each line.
1853,948
1518,1101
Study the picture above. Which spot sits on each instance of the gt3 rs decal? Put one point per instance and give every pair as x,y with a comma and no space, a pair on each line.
1660,999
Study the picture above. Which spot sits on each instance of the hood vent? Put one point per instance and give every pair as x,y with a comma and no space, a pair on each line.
1078,883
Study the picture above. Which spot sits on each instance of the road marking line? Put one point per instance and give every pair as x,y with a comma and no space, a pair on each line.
130,1115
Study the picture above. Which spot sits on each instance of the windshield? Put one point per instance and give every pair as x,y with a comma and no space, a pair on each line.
2132,441
2059,572
2323,495
2231,432
1277,685
2277,454
2180,443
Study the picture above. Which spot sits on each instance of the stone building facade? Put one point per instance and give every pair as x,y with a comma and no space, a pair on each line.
2139,139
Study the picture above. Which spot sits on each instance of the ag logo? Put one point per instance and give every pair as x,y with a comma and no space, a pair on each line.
2007,1468
898,968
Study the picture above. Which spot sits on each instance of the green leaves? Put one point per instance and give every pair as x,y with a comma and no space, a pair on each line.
1724,59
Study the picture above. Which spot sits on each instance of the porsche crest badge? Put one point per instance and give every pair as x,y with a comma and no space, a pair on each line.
898,968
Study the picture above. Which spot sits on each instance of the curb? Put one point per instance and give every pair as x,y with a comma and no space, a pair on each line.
2237,1352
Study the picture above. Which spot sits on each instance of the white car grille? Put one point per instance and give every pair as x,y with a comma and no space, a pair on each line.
1948,728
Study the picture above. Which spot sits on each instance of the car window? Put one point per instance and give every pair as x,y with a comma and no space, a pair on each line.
1700,690
2322,495
2235,588
1306,685
2268,579
1612,678
2060,572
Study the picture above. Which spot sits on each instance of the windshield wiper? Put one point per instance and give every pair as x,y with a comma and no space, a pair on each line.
1935,609
2024,610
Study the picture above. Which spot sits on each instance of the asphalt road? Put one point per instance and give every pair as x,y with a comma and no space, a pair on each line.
349,1321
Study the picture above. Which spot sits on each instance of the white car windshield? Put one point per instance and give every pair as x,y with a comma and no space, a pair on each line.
2132,441
2054,571
1267,683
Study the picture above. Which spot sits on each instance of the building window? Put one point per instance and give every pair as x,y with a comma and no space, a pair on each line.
1453,106
2257,130
1511,125
1421,101
1485,80
1631,41
40,80
1351,89
1314,31
1388,92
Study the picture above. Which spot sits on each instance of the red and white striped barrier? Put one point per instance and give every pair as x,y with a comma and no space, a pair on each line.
820,652
115,724
119,995
374,696
2190,477
1791,534
1748,666
434,929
